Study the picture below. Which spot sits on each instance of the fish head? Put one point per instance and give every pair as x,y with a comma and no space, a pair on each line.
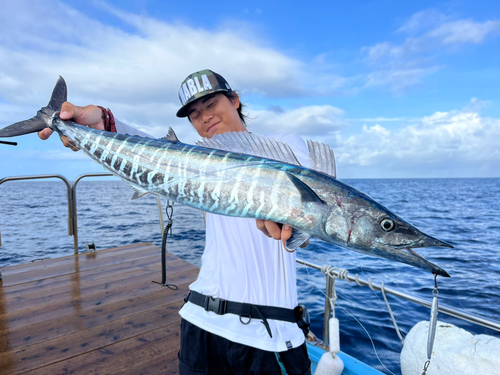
364,225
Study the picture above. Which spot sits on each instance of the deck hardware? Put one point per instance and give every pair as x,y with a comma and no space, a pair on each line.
169,210
91,248
0,275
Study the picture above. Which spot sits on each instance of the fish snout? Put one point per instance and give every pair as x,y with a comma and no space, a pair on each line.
429,241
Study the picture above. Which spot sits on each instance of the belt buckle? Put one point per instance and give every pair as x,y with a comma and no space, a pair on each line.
217,305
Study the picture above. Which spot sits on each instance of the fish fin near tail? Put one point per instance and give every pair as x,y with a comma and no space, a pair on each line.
171,136
138,193
297,239
42,118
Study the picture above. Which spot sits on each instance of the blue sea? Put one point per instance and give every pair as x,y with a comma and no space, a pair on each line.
463,212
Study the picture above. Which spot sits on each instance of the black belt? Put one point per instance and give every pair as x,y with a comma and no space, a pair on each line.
244,310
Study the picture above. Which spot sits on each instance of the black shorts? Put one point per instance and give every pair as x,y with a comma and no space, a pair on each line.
205,353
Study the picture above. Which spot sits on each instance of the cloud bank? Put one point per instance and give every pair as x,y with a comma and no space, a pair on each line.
136,69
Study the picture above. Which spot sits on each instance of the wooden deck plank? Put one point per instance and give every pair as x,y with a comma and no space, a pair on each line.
88,340
130,357
107,282
18,289
83,262
70,314
128,250
50,329
74,305
22,291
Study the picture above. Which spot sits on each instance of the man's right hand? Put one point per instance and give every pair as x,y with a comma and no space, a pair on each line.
90,116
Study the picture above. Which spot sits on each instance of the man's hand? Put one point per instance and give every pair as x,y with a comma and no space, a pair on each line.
276,231
90,116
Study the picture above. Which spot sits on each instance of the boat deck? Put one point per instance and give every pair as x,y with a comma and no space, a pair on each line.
93,313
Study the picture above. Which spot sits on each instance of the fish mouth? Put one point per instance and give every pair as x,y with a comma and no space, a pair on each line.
426,241
426,264
415,258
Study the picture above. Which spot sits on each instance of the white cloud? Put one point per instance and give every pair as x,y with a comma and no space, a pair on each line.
401,65
311,121
464,31
102,62
444,144
399,77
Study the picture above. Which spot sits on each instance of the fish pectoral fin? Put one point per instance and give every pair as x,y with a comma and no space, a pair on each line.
171,136
297,239
137,193
306,193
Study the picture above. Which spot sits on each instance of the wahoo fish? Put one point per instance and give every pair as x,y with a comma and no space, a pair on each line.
246,175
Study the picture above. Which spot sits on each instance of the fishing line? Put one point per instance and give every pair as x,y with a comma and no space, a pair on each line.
400,333
343,308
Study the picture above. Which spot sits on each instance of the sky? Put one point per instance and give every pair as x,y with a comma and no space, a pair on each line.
397,89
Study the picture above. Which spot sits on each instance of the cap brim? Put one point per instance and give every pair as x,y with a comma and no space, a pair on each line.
183,111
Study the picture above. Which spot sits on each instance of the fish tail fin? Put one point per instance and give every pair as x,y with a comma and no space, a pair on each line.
42,118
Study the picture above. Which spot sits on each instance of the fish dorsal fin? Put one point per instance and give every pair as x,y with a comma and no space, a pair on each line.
321,158
171,136
251,144
297,239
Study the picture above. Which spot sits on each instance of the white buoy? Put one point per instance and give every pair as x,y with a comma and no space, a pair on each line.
330,363
455,351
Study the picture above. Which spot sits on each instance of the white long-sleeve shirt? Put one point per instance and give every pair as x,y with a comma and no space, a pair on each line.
242,264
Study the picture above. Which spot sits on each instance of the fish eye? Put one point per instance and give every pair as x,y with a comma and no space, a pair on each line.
387,225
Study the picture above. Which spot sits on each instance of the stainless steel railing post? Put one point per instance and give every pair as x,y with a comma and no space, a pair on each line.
43,176
73,197
328,310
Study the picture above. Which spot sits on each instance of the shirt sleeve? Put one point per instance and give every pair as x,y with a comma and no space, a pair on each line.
127,129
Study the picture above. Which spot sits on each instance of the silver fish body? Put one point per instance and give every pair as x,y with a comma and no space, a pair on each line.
237,184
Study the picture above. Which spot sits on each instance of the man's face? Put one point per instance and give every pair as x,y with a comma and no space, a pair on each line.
215,114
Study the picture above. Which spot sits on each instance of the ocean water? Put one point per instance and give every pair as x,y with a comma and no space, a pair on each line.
463,212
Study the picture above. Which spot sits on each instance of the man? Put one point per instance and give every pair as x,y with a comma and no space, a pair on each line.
238,318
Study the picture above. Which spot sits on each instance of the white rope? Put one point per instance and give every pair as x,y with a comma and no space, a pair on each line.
325,269
343,275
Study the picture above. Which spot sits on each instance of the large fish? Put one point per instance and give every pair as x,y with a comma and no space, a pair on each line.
246,175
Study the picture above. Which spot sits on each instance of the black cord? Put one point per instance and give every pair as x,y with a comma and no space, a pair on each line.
169,211
8,143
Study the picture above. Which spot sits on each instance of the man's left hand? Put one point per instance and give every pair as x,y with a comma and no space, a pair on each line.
276,230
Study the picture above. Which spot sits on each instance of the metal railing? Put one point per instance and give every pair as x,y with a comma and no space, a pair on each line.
71,198
69,193
397,293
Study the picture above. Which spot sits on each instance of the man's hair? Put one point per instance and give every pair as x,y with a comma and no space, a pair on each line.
231,95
